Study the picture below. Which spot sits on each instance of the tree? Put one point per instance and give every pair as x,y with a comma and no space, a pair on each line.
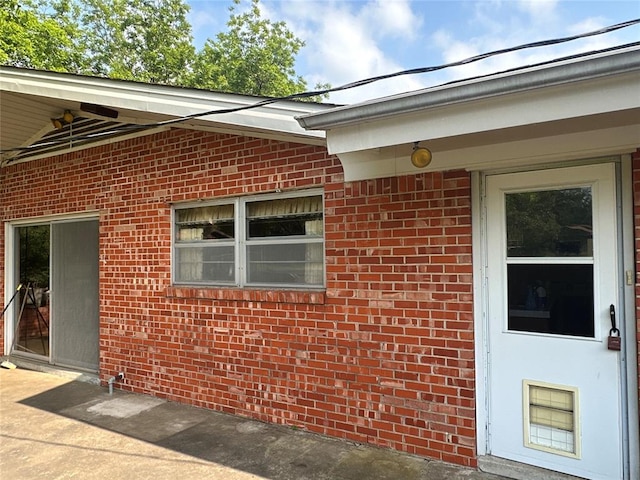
151,41
549,222
143,40
255,56
39,34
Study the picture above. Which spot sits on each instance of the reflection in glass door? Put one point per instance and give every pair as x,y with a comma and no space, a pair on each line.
32,316
550,261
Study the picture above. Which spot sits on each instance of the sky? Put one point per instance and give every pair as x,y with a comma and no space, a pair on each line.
348,40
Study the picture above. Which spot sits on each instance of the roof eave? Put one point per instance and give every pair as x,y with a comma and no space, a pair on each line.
579,69
167,102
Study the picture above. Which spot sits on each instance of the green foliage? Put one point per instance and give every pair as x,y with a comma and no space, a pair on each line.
255,56
549,222
34,255
151,41
39,34
143,40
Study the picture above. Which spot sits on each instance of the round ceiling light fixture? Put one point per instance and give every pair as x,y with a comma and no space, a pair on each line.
421,156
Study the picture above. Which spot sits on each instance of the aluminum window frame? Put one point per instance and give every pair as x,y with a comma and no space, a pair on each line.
241,241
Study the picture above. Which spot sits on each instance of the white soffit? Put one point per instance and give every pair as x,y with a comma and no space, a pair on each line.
141,99
44,95
394,161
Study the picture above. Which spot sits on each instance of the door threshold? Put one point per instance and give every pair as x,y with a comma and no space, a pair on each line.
519,471
80,376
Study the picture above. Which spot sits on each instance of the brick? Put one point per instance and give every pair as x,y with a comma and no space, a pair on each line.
389,343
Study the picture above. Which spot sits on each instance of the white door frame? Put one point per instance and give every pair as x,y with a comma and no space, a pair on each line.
629,365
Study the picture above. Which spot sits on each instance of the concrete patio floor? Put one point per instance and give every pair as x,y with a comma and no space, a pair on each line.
53,427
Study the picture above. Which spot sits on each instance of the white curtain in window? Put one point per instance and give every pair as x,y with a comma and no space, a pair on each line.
190,265
205,215
285,206
314,257
186,234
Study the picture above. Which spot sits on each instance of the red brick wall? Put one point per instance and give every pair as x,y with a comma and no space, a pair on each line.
384,356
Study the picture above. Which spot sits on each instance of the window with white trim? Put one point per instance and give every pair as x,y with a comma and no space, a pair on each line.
268,240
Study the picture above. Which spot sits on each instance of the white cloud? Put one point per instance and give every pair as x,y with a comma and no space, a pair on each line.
343,43
500,25
454,50
391,17
539,10
587,25
352,40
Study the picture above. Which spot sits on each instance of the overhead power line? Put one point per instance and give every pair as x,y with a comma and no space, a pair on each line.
413,71
347,86
483,56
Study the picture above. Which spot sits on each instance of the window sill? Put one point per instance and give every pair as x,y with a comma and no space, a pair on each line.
314,297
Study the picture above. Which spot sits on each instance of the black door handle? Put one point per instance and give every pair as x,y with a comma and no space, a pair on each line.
612,315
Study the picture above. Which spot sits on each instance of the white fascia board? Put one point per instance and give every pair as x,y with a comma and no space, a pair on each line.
142,101
561,102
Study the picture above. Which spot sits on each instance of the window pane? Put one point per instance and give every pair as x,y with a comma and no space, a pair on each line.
213,222
34,255
205,264
554,299
33,271
552,223
283,227
285,217
286,264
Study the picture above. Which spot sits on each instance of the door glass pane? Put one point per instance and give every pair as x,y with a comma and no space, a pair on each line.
33,271
555,299
550,223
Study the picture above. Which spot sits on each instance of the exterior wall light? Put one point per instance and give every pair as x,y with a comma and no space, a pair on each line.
66,119
421,156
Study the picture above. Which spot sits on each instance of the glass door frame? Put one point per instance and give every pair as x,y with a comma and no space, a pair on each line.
11,277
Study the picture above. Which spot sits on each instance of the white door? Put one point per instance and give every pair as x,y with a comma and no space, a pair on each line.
554,386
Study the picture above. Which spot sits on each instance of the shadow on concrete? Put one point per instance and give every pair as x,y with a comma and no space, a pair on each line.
269,451
124,456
